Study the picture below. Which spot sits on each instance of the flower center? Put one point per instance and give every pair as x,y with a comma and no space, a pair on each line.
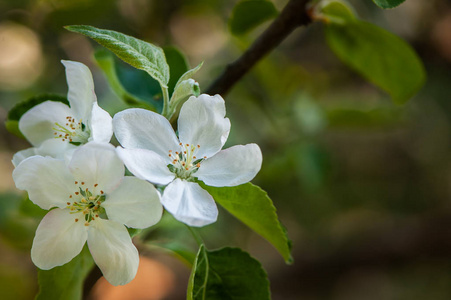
73,131
87,202
185,163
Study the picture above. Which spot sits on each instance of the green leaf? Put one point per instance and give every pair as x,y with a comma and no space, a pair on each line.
388,3
227,274
337,11
138,53
65,282
177,65
381,57
106,62
252,206
248,14
12,122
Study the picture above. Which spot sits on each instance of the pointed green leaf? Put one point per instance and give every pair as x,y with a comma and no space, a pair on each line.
188,74
12,122
252,206
138,53
227,274
65,282
381,57
388,3
248,14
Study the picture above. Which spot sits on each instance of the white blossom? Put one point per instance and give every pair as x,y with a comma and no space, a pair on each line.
152,151
55,129
90,201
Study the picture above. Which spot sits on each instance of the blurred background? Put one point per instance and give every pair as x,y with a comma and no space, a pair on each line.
361,184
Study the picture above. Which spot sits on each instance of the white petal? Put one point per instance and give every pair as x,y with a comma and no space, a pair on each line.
37,124
146,165
18,157
58,238
137,128
47,181
101,125
96,163
113,251
55,148
232,166
202,122
135,203
81,94
189,203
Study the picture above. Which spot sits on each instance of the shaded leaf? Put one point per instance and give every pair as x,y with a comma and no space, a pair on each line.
227,273
106,62
12,122
138,53
248,14
381,57
388,3
177,65
252,206
337,11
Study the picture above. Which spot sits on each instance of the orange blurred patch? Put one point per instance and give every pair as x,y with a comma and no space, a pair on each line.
153,281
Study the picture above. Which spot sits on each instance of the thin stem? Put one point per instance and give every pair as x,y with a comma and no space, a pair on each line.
165,111
196,236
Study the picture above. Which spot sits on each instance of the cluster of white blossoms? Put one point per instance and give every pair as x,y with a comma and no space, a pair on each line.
75,173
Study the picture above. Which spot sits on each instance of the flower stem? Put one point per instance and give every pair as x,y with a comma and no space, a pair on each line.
196,236
165,111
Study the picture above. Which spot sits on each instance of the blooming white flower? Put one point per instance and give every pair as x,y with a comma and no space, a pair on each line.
153,152
92,202
54,129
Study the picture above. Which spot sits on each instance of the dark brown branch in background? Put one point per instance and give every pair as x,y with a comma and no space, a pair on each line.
294,15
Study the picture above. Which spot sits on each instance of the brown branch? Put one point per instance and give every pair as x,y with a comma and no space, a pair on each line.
294,15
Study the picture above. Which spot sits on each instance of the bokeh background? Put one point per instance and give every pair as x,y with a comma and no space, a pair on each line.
362,184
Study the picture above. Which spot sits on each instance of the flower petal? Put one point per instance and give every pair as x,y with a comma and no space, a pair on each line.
55,148
101,125
95,163
189,203
135,203
202,122
113,251
146,165
47,181
233,166
58,238
37,124
81,94
137,128
19,156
